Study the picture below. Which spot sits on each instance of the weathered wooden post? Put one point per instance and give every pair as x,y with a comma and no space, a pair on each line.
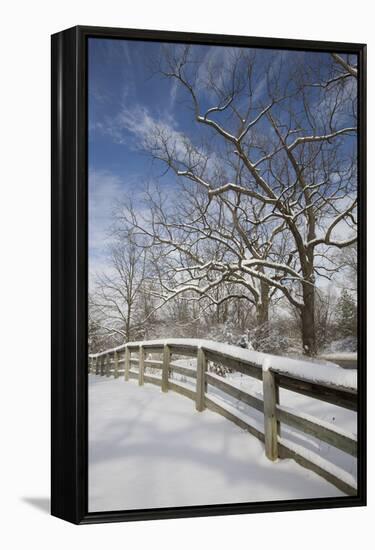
116,364
165,368
200,404
96,365
141,369
108,365
127,364
102,357
277,397
270,420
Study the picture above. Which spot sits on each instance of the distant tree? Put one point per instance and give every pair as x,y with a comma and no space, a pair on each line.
99,338
346,315
347,259
120,302
325,309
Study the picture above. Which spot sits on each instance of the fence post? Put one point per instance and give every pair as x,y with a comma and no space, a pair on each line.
116,364
102,365
277,397
270,421
96,365
200,404
141,369
127,363
165,369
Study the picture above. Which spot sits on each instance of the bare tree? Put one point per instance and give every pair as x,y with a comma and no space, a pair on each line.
120,301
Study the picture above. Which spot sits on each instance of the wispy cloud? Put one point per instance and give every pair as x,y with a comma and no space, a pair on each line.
274,62
104,189
216,62
135,127
115,50
108,193
173,93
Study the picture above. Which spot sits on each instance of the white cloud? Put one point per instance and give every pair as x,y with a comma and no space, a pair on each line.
173,93
217,61
136,121
104,189
136,127
107,191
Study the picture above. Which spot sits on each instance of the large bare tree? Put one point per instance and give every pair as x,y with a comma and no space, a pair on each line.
268,177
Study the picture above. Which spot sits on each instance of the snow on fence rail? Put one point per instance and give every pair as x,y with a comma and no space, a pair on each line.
324,382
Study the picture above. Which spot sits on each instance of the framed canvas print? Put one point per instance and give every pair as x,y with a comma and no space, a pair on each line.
208,274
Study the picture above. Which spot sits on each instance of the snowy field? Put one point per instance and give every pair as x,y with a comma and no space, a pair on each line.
148,450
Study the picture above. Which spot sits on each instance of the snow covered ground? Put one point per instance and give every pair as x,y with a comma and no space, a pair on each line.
148,450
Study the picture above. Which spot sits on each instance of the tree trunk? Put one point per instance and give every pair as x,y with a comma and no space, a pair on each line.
262,307
308,320
308,293
128,321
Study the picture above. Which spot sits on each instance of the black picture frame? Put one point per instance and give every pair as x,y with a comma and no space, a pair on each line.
69,454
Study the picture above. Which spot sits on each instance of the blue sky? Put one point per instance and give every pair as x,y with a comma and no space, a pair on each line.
126,96
120,78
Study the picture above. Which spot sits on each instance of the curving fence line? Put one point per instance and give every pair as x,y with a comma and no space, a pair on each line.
123,360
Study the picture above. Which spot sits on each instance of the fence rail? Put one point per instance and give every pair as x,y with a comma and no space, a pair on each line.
122,360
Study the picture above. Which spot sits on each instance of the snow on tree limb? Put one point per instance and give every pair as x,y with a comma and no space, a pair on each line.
349,68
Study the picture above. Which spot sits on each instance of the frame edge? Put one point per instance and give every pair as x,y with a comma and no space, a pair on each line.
68,499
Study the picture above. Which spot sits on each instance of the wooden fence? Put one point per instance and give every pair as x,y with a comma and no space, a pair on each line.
122,361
